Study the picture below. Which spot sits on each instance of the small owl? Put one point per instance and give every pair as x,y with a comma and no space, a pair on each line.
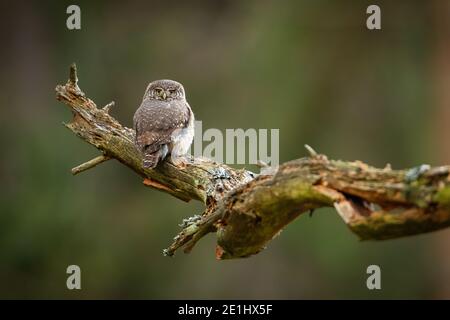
164,123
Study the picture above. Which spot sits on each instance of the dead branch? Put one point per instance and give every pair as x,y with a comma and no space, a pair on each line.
89,164
247,210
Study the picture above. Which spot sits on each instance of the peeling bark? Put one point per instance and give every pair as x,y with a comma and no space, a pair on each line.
247,210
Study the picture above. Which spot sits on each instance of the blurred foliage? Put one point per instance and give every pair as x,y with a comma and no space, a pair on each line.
311,69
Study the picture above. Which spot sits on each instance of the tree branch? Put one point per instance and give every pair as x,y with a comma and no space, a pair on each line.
247,210
89,164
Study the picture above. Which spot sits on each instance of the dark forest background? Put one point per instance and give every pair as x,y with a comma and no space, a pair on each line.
309,68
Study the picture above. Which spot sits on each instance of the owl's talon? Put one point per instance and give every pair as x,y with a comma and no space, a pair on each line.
180,163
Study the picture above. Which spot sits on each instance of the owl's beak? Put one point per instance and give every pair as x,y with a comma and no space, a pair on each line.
164,95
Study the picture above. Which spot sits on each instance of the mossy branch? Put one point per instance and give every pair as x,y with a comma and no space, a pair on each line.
247,210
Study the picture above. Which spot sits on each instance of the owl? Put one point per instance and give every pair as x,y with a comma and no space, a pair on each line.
164,123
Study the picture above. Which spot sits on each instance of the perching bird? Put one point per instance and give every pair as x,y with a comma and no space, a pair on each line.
164,123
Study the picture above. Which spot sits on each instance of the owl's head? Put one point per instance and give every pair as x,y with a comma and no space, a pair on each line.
165,90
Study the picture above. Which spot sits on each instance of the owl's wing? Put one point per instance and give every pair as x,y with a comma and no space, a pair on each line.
154,125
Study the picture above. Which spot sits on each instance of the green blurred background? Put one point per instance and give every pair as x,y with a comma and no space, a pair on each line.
309,68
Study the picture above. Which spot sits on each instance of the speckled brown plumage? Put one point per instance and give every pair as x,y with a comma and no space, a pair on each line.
164,123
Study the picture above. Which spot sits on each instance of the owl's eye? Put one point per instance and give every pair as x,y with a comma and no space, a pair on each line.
173,92
157,91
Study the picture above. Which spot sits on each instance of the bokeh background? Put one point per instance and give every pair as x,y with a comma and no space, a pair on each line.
309,68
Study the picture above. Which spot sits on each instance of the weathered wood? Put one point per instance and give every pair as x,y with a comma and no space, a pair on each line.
247,210
89,164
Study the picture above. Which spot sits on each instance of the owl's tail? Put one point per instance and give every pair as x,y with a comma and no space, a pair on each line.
151,160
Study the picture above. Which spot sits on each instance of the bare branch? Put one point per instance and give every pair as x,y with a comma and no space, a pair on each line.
89,164
311,151
108,106
247,211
